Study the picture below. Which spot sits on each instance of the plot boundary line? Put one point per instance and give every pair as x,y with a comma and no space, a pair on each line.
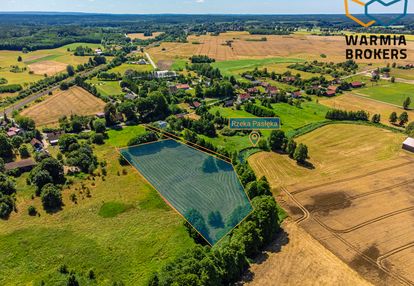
170,205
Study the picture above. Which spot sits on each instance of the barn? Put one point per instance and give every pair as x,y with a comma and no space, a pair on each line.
409,144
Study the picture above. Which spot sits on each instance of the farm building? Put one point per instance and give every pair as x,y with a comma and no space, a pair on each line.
196,104
23,165
330,93
357,84
182,86
409,144
165,74
243,97
53,137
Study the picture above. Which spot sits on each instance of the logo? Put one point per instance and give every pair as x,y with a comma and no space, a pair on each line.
370,12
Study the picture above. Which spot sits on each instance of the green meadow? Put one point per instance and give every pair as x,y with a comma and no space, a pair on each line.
108,88
123,232
291,118
124,67
394,93
235,67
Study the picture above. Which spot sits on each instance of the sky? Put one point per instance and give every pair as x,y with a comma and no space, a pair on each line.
179,6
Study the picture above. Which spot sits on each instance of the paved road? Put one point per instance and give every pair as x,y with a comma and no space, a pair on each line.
9,110
151,61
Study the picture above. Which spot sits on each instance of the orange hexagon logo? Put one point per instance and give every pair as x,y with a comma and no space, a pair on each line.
355,18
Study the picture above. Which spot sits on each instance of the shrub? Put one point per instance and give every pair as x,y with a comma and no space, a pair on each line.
31,210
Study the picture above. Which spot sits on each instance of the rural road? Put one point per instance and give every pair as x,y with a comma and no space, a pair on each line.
151,61
9,110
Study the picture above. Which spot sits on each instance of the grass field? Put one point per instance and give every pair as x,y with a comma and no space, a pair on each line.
124,67
41,62
120,137
405,74
238,66
107,88
73,101
361,212
394,93
128,246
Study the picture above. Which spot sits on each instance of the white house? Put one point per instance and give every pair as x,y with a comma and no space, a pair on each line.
409,144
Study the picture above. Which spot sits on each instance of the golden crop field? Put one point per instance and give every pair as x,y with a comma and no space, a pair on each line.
141,36
47,67
246,46
41,62
353,102
76,100
356,199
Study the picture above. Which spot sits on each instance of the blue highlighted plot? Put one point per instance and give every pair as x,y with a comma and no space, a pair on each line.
201,187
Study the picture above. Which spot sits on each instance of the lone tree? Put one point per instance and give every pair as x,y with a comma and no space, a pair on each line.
70,70
403,118
393,118
406,103
51,197
19,59
376,118
301,153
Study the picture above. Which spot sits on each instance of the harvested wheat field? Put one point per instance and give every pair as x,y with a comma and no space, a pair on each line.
296,257
76,100
356,198
242,45
356,102
47,67
141,36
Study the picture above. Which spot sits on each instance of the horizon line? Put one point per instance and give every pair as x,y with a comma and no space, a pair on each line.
179,14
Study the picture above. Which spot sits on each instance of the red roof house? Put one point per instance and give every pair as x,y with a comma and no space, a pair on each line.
357,84
182,86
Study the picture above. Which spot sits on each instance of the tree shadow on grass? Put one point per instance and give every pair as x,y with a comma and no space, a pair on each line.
307,165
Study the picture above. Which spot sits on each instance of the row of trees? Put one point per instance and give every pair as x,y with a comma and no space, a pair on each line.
278,142
401,120
258,110
336,114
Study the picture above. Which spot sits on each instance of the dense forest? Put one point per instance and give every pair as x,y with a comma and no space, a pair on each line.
33,31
